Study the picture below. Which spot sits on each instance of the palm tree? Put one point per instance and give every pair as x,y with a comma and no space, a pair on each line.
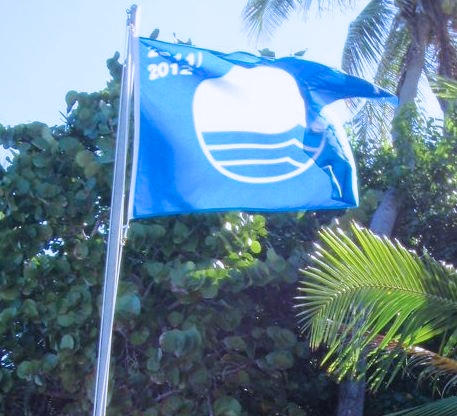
403,40
366,295
399,41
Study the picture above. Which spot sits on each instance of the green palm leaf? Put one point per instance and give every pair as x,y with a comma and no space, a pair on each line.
367,36
444,87
375,48
267,15
371,123
443,407
358,289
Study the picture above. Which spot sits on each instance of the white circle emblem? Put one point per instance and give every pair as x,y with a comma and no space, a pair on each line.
250,125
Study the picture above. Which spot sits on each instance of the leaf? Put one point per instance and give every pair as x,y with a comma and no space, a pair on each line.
235,343
29,309
280,360
180,343
154,360
256,247
156,231
181,42
7,314
172,341
154,268
9,294
300,53
267,53
139,337
67,342
209,291
49,362
283,338
227,406
171,406
91,169
84,158
22,186
45,140
69,144
66,320
81,250
41,161
128,304
26,369
175,318
180,232
70,99
199,378
38,380
443,407
155,34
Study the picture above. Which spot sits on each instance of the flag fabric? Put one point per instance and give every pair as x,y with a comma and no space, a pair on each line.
219,132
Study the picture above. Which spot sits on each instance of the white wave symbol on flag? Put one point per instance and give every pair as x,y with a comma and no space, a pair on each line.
260,158
250,125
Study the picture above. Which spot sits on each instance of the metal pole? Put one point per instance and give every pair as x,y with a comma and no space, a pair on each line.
114,252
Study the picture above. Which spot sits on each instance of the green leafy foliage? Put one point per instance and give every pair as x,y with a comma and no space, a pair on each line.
385,290
369,299
423,169
444,407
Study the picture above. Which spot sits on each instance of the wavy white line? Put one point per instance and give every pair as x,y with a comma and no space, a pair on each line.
262,162
291,142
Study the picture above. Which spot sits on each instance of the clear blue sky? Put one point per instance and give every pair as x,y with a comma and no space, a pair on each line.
49,47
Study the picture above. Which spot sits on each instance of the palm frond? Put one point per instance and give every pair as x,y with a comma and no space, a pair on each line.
371,123
437,370
357,289
264,16
367,37
444,87
433,367
394,53
374,42
390,68
443,407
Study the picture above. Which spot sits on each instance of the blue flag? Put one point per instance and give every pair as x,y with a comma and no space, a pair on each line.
219,132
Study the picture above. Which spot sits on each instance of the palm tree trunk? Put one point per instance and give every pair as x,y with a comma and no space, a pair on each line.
383,220
351,398
352,393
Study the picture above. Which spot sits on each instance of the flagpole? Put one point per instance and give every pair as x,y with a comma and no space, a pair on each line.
114,251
